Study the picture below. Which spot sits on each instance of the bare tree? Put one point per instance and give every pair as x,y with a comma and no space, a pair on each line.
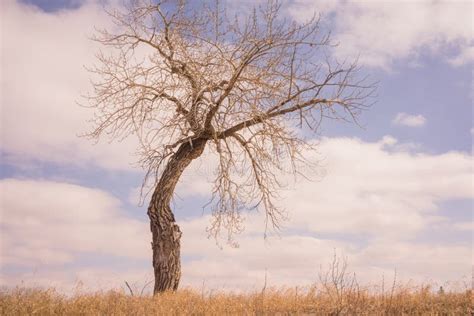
182,78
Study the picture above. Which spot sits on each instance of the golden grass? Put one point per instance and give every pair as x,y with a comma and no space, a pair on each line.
316,300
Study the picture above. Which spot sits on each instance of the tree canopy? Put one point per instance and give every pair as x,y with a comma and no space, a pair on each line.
244,84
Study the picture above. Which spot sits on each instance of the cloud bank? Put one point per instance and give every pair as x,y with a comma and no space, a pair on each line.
371,206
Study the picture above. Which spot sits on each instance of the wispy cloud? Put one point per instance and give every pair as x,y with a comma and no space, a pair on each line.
465,56
409,120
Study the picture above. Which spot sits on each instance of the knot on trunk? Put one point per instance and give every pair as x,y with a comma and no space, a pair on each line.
176,232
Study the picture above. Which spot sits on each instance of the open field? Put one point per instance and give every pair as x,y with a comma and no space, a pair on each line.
317,300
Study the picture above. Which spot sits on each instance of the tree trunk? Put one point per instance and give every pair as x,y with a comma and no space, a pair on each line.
165,232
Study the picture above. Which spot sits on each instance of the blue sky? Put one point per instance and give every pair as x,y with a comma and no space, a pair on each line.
396,194
54,5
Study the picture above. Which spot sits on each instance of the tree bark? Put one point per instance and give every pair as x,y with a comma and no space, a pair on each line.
166,234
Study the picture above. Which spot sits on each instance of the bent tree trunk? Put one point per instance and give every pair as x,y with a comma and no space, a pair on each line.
165,232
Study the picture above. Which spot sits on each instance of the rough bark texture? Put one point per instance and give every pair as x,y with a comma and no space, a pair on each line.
165,232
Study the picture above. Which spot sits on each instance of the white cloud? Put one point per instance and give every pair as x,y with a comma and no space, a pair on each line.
298,260
370,206
409,120
43,77
382,32
49,223
369,188
81,279
373,202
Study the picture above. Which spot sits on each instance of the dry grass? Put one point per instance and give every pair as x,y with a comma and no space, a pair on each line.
317,300
337,292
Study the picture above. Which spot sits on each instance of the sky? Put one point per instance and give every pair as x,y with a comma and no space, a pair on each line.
393,196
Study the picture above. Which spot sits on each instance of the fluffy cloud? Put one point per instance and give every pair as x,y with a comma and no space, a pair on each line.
42,82
409,120
51,223
382,32
372,188
372,204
